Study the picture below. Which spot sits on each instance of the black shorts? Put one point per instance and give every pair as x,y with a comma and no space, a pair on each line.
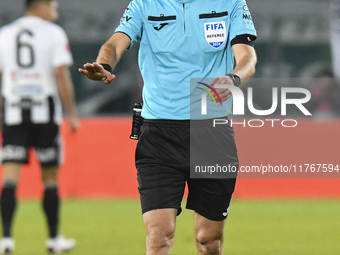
45,138
163,169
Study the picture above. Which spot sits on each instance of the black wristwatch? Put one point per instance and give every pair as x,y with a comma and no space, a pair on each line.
236,79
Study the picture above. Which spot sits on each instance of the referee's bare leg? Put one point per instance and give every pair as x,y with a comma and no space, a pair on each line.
160,227
208,235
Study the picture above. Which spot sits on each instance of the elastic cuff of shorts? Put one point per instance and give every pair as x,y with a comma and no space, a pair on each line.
165,207
49,165
9,184
14,161
50,187
205,215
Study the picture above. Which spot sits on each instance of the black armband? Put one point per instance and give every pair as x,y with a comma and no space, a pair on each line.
107,67
244,39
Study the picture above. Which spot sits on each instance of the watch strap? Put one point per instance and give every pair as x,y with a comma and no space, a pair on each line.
236,79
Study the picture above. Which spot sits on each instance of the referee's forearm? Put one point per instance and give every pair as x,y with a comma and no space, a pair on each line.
108,55
112,51
246,60
245,68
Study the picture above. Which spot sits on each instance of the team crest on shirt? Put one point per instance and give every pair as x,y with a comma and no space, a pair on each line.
215,33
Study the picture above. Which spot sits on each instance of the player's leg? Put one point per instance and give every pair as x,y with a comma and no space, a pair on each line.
160,227
15,142
161,192
161,156
208,235
210,199
47,143
11,175
51,199
210,192
48,149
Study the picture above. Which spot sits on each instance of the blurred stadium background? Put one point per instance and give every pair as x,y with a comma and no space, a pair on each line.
268,216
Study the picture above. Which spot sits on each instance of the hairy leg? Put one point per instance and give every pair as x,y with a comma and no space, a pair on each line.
160,226
208,235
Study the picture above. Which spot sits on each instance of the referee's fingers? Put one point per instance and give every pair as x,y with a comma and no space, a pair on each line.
85,72
109,79
97,67
88,66
223,93
214,81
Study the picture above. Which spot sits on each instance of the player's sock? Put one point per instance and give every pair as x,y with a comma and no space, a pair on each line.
8,204
51,208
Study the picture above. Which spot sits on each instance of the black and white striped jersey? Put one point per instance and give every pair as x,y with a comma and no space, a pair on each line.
30,50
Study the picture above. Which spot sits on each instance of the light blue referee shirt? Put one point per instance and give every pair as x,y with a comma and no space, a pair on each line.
181,40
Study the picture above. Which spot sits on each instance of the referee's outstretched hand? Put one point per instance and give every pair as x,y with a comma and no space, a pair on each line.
97,72
224,94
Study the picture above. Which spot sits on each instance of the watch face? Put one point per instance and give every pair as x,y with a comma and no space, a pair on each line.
237,80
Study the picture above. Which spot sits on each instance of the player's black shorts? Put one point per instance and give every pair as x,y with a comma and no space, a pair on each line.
45,138
163,168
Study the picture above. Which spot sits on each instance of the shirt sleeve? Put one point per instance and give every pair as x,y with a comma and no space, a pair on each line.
61,52
131,23
241,20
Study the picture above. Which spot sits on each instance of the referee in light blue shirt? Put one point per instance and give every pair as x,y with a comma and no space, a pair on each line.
182,42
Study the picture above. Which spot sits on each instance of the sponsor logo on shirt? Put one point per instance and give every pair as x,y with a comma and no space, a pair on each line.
126,17
247,16
161,26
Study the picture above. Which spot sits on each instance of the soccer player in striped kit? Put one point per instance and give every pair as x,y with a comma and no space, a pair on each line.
34,75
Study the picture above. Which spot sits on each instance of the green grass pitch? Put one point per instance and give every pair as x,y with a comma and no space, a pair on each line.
253,228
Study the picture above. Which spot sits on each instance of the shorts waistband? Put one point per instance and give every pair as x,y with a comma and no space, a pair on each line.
168,123
179,123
